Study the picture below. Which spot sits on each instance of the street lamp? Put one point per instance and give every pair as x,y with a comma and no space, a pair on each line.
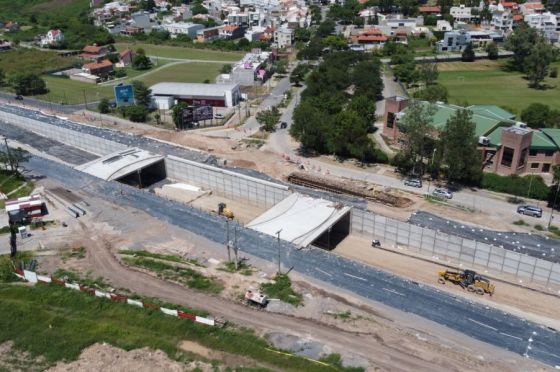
553,204
430,179
278,246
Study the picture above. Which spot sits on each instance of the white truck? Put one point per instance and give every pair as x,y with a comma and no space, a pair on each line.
256,298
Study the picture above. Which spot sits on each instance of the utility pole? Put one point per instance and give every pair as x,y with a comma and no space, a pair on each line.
278,246
235,249
9,155
85,99
553,204
228,245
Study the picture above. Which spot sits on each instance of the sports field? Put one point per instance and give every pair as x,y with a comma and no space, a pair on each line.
182,53
486,82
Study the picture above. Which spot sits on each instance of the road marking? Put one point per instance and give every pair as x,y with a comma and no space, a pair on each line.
324,272
393,291
505,334
482,324
355,277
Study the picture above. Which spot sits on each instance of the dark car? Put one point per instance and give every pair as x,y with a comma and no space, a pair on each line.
414,182
283,125
19,97
530,210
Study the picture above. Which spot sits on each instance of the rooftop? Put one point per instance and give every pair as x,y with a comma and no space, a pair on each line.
190,89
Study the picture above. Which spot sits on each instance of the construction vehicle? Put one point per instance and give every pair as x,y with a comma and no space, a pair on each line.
256,298
468,279
223,210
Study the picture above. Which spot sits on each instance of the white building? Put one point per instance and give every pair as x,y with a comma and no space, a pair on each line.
188,29
502,19
165,95
531,7
461,13
284,37
443,25
545,22
52,38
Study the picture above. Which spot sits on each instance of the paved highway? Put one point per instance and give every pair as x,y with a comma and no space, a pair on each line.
480,322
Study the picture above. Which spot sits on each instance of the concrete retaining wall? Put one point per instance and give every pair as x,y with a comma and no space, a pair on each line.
453,248
84,141
229,184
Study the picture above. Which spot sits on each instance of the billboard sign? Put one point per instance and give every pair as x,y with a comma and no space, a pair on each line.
194,114
124,95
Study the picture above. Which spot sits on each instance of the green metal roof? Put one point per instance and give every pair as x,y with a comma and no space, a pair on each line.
492,111
495,137
541,141
553,135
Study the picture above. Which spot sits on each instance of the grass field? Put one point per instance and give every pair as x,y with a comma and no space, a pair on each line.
33,60
184,73
10,182
72,92
485,82
58,323
20,9
182,53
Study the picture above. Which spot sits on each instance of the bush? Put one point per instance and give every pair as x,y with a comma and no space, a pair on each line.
539,228
515,185
136,113
554,72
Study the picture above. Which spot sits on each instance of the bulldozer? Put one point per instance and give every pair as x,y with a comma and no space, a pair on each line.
223,210
468,279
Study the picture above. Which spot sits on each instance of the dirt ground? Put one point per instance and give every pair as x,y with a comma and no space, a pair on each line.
539,307
363,332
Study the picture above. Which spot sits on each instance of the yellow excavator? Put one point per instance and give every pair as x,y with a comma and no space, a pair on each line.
468,279
223,210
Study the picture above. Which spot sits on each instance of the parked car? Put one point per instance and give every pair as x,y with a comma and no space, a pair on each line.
283,125
530,210
218,116
441,192
414,182
19,97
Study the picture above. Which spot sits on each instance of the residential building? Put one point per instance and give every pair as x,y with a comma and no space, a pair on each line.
240,19
188,29
5,45
429,9
456,41
250,70
461,13
93,52
11,26
547,23
230,32
283,37
132,30
370,38
210,34
502,20
52,38
101,69
443,25
125,58
506,146
532,7
143,20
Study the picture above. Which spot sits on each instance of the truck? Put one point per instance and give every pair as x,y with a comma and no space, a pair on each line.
256,298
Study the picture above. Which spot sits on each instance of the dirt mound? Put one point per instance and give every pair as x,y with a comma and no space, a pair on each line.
352,187
104,357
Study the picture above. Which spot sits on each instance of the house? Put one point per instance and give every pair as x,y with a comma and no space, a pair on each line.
371,38
506,146
443,25
456,41
230,32
132,30
101,69
209,34
125,58
52,38
427,9
532,7
284,37
240,19
93,52
188,29
547,23
502,19
11,27
250,69
461,13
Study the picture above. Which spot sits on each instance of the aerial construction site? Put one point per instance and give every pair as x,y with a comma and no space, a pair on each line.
328,271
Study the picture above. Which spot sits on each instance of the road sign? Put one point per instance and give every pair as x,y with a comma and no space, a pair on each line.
124,95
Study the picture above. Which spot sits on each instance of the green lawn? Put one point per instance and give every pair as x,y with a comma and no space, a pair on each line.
489,84
184,73
182,53
71,92
33,60
10,182
58,323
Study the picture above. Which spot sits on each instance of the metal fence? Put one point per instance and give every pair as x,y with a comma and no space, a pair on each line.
453,248
229,184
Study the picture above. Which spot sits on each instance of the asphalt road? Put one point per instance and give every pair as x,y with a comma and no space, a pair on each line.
531,244
480,322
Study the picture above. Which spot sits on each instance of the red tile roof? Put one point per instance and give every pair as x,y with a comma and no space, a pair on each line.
372,38
534,6
95,66
518,17
429,9
92,49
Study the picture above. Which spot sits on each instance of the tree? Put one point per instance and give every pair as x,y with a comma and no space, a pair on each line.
14,157
521,43
298,74
302,34
28,84
468,54
349,137
536,115
335,42
416,126
142,95
537,63
226,69
104,106
140,61
428,72
460,149
492,50
366,80
364,107
157,117
310,126
177,113
433,93
2,77
148,5
137,113
269,118
406,73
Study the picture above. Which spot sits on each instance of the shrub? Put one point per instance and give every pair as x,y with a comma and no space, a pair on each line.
137,113
554,72
539,227
528,186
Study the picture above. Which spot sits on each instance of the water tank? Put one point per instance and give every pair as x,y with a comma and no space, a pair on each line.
484,141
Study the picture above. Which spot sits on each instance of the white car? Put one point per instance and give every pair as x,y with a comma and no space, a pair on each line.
218,116
441,192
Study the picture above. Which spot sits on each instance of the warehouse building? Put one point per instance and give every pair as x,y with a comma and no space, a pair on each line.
166,95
